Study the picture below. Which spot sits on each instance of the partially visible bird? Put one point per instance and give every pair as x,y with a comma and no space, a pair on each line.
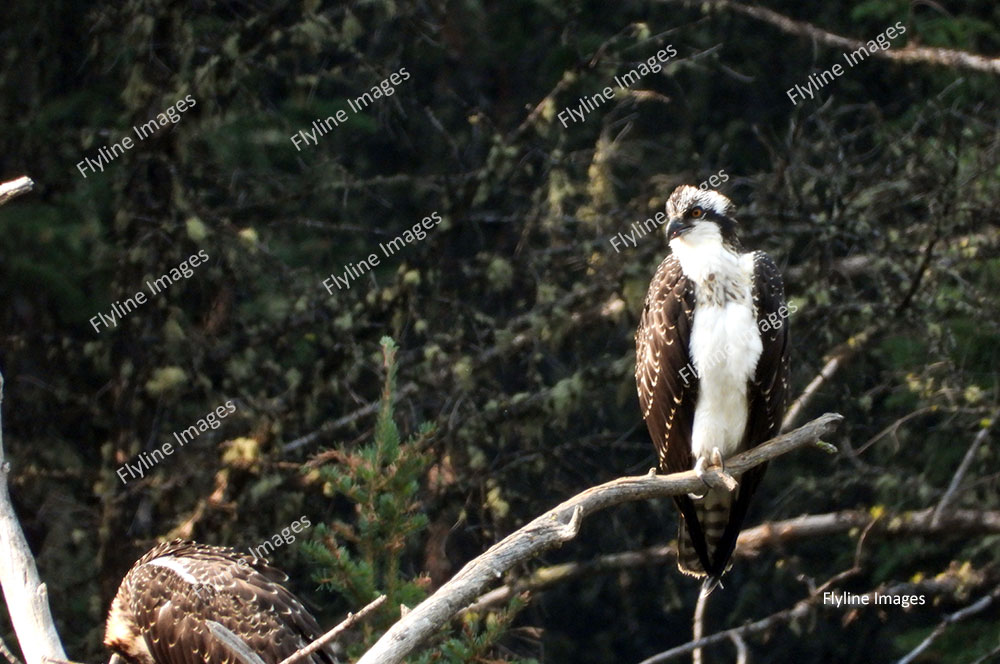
190,603
711,367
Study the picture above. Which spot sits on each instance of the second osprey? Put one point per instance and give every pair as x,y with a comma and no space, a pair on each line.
711,367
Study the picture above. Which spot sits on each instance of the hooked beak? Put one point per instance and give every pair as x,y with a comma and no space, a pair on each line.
676,228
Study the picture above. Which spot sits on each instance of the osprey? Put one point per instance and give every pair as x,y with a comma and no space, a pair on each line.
189,603
711,367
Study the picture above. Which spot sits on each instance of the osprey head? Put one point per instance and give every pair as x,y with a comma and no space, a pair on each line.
696,216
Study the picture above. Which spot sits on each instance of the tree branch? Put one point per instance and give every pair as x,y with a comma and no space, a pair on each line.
963,468
753,541
559,525
16,187
343,626
951,581
839,356
907,54
26,596
978,606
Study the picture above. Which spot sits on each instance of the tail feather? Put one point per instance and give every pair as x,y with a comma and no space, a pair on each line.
712,513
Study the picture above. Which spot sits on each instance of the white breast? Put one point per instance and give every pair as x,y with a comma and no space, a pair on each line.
725,346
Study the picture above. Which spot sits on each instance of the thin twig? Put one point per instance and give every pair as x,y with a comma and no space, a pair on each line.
344,625
8,655
837,358
333,425
560,525
963,468
950,581
978,606
698,626
754,540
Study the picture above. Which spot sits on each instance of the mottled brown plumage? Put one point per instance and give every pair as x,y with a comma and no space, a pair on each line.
182,600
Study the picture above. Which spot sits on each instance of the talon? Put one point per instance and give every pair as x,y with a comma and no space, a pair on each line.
717,459
699,470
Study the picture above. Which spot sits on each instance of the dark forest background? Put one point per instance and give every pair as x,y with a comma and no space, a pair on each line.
514,318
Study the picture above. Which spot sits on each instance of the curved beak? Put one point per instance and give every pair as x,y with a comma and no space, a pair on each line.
676,228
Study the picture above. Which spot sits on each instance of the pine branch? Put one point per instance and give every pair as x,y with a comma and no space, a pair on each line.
560,525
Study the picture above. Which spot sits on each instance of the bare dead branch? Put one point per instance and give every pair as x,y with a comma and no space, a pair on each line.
344,625
963,468
26,596
16,187
7,654
755,540
837,358
978,606
698,624
333,425
941,57
950,582
557,526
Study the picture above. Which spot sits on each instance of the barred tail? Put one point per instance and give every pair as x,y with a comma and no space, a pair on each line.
713,515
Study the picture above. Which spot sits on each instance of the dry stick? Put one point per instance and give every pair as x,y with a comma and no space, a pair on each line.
26,596
559,525
753,540
947,582
333,425
837,358
343,626
907,54
7,654
16,187
978,606
698,626
963,468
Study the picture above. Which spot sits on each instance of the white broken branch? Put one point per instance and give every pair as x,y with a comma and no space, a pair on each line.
16,187
559,525
26,596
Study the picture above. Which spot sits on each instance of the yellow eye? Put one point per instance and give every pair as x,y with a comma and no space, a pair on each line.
696,212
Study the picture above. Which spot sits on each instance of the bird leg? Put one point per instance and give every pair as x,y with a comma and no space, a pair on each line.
699,470
701,466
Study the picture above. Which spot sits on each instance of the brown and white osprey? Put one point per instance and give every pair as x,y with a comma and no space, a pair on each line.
189,603
711,367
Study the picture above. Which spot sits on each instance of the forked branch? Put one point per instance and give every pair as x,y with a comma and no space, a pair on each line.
559,525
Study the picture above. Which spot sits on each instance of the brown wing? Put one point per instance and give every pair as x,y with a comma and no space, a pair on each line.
176,591
664,375
767,391
666,381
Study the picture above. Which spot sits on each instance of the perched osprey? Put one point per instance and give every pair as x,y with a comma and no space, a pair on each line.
188,603
711,367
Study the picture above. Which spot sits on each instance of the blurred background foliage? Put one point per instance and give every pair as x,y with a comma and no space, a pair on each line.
514,317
